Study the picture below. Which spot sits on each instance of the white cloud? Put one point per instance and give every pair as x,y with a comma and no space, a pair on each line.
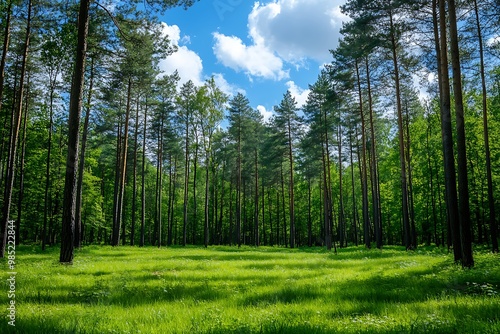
266,114
297,29
187,62
255,60
493,41
225,86
282,32
298,93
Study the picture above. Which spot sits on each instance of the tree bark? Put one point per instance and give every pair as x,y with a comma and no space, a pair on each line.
291,193
143,179
207,186
186,182
134,177
447,132
22,165
404,179
491,199
46,206
194,223
342,229
364,178
463,185
69,202
353,195
377,223
238,189
256,210
81,168
14,137
123,169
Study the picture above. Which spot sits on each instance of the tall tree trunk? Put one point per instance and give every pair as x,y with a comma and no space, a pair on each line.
46,206
263,206
238,191
256,212
160,199
169,203
143,179
186,183
75,109
377,223
446,130
360,171
431,184
270,211
194,223
326,202
214,205
21,167
134,177
221,210
342,229
364,178
16,124
309,214
123,169
81,168
231,231
404,179
277,217
284,207
116,184
463,185
354,208
207,188
291,186
491,199
413,232
159,186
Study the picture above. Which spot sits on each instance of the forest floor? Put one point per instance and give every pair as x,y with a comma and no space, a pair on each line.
252,290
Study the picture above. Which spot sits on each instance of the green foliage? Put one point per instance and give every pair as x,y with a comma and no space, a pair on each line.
250,290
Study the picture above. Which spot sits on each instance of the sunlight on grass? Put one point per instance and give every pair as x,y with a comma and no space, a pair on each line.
250,290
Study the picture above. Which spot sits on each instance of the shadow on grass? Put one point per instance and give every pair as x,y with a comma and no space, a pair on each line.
137,287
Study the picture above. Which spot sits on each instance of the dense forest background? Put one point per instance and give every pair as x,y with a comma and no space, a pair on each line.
365,160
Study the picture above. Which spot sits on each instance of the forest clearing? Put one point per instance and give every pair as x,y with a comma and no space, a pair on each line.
255,290
284,166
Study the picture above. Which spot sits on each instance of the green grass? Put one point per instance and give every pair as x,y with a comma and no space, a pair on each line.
249,290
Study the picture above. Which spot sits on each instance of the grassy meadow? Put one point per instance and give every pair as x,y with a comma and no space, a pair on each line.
250,290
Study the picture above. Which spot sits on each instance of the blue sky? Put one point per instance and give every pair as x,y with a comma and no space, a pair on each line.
259,48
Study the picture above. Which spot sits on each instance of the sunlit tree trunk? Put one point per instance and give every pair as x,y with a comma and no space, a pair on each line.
81,168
